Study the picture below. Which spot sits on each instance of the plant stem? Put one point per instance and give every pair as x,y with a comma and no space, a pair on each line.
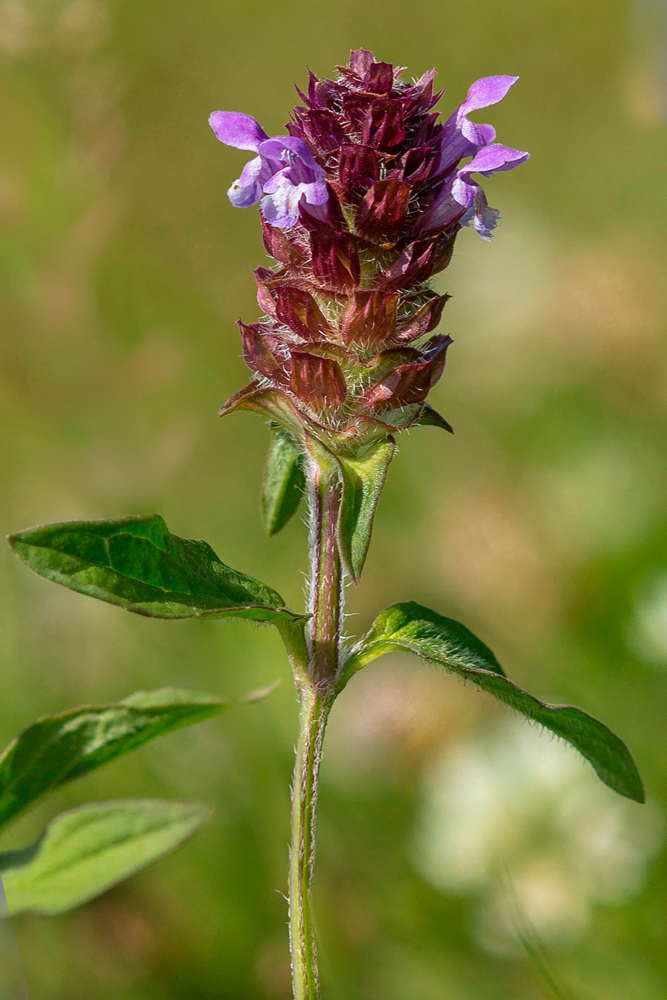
312,722
315,687
325,586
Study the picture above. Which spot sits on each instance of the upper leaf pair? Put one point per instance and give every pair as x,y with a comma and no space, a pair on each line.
362,477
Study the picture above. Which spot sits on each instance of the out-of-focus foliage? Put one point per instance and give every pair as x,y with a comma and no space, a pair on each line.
60,748
88,849
542,523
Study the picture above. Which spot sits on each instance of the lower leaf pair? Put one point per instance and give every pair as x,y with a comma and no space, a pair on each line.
87,850
84,851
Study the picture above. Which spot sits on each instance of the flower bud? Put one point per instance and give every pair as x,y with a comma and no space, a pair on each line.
379,78
410,383
384,208
265,298
300,312
335,260
317,381
261,352
319,129
283,246
383,126
358,169
369,319
423,321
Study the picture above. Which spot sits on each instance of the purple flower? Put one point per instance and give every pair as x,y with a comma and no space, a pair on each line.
487,161
460,136
461,199
282,174
361,204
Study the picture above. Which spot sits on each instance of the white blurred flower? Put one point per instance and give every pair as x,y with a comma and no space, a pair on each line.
647,631
519,822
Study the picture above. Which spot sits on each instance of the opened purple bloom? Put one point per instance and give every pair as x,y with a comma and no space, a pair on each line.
486,162
461,199
282,174
460,136
364,146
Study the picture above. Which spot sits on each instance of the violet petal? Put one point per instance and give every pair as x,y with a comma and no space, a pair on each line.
247,190
460,136
276,147
480,213
238,130
280,208
486,91
494,157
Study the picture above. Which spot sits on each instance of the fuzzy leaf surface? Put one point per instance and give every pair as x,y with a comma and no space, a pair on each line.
58,748
139,565
414,629
284,481
86,850
363,480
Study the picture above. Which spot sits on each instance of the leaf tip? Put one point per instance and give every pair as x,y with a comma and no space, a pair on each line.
430,417
13,539
634,788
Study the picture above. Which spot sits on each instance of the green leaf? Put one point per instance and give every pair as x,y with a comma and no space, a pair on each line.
86,850
431,418
363,479
415,629
284,481
58,748
137,564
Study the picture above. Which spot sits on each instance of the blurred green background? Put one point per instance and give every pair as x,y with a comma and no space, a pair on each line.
447,834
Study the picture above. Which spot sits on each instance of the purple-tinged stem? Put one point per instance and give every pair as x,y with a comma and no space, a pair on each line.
326,574
315,686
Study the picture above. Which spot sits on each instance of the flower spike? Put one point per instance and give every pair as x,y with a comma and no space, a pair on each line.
360,205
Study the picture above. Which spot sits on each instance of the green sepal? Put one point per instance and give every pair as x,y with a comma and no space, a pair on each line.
431,418
58,748
86,850
137,564
363,479
284,480
414,629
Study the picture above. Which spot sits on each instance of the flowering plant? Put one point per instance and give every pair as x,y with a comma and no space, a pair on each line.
360,205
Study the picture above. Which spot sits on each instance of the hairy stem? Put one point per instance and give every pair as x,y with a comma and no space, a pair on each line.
312,722
315,687
325,585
